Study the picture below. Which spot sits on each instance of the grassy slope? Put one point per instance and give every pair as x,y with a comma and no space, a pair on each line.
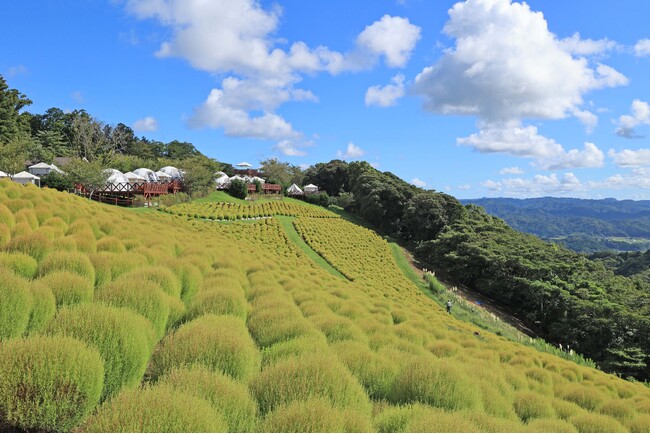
294,237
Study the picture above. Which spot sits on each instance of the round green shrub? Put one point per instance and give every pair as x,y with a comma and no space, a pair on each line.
6,216
191,280
123,338
220,343
68,288
218,302
36,245
529,405
314,415
316,375
15,304
71,261
22,264
5,235
110,244
550,425
43,307
437,382
145,298
48,383
155,409
592,422
159,275
231,397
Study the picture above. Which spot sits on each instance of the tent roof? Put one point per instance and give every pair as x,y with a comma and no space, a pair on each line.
244,164
294,189
25,175
3,175
311,186
162,174
133,175
40,165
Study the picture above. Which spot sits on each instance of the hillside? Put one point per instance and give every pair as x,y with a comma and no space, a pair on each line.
583,225
113,320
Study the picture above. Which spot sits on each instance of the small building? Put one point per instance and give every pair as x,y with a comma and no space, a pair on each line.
43,169
310,189
26,178
294,190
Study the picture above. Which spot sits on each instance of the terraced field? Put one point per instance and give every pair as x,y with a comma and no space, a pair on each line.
112,320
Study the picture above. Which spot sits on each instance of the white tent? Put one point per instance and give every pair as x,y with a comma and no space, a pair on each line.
294,190
244,164
56,169
148,174
26,178
40,169
172,171
311,188
3,175
116,177
257,178
134,178
238,178
162,176
222,181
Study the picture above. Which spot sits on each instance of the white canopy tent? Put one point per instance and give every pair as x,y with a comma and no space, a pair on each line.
172,171
148,174
310,189
26,178
244,164
294,190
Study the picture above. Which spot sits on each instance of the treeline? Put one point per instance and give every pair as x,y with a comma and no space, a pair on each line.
34,137
564,296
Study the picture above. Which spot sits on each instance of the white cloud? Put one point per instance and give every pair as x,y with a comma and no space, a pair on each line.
237,122
511,171
640,116
77,96
586,47
642,48
388,95
391,37
513,139
630,158
591,157
13,71
539,185
237,38
639,178
464,187
352,151
148,123
418,182
506,66
289,149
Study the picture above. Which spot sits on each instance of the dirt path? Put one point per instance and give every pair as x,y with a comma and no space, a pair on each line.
476,299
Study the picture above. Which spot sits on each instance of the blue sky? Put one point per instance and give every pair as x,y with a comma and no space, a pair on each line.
475,98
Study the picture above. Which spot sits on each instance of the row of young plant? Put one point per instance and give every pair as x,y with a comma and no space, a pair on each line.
169,324
235,211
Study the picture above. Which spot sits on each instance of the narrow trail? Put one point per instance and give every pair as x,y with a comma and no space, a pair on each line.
475,298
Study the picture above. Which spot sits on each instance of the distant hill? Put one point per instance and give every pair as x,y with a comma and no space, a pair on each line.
584,225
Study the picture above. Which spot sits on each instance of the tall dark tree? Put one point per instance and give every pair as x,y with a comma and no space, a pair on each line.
12,124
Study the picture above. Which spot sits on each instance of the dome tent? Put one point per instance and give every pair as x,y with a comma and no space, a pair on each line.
172,171
148,174
310,189
221,180
114,176
134,178
162,176
294,190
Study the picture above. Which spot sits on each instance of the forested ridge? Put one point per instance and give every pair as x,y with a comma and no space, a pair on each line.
564,296
584,225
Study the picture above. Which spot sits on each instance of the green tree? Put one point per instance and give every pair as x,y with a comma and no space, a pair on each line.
13,155
198,177
12,124
180,150
238,189
279,172
90,174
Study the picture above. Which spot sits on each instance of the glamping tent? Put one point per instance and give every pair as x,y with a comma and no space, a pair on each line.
238,178
40,169
148,174
294,190
162,176
221,180
310,189
26,178
134,178
258,179
173,172
3,175
116,177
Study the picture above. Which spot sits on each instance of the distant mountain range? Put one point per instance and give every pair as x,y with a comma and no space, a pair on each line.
584,225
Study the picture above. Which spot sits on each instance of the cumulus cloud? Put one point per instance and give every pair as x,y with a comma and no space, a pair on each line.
642,48
506,66
640,116
630,158
352,151
539,185
418,182
148,123
464,187
236,38
388,95
511,171
590,157
288,148
391,37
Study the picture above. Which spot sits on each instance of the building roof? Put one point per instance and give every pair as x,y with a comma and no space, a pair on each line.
40,165
25,175
244,164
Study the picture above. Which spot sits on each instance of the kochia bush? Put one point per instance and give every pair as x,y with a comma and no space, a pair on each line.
15,304
48,383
